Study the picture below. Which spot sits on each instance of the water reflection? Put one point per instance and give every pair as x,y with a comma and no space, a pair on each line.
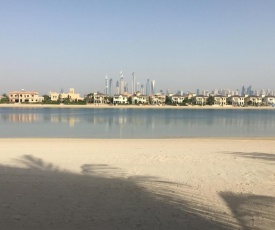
139,123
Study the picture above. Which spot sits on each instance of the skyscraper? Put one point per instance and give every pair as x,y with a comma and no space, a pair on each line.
148,87
249,90
243,91
121,85
142,90
133,83
106,85
117,87
111,87
153,85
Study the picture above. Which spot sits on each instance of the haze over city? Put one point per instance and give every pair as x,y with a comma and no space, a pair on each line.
183,45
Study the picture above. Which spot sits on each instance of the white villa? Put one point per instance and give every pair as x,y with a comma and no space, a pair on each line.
253,100
120,99
177,99
219,100
269,100
158,99
24,97
200,100
70,95
138,98
99,98
235,100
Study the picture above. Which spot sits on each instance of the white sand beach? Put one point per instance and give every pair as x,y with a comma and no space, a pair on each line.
111,106
137,184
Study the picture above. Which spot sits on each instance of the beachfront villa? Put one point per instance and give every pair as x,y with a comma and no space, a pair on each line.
138,98
219,100
25,97
177,99
158,99
200,100
235,100
120,99
253,100
99,98
269,100
71,95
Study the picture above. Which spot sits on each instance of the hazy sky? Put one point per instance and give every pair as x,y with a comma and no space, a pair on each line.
205,44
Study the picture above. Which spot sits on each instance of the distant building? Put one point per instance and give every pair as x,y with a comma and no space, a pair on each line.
133,83
121,85
117,87
24,97
269,100
153,85
177,99
235,100
120,99
158,99
111,87
148,91
99,98
200,100
71,95
138,98
220,100
253,100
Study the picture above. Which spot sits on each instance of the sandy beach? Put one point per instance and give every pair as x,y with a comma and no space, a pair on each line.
106,106
137,184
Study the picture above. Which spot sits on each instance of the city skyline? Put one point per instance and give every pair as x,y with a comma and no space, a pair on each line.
180,44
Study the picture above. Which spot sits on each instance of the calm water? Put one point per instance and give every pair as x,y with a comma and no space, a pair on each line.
135,123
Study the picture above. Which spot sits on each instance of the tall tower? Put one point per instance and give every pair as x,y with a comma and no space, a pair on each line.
133,83
153,84
142,89
111,87
137,86
117,87
106,85
121,85
243,91
148,87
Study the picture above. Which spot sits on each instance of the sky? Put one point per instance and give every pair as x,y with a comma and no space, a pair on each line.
182,45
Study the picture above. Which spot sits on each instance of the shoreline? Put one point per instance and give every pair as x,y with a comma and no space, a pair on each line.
92,106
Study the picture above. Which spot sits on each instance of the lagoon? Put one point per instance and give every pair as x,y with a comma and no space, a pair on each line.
130,123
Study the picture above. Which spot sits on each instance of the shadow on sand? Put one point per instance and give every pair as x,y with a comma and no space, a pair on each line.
251,211
255,155
42,196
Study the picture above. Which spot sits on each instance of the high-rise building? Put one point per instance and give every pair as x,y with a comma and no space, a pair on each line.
198,92
121,83
126,89
243,90
137,86
142,90
117,87
111,87
106,85
249,90
215,91
148,87
133,83
153,85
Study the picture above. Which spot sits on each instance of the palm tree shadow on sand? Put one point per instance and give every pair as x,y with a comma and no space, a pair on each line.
251,211
42,196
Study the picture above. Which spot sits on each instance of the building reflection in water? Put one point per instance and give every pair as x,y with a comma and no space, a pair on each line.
150,123
21,118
